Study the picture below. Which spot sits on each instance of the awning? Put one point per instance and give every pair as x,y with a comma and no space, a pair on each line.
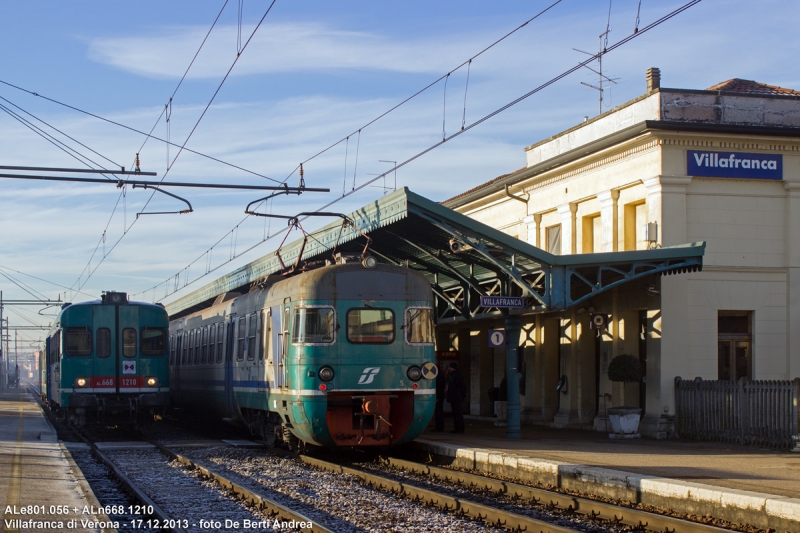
462,258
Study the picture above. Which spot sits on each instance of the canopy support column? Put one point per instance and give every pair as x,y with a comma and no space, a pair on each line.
513,430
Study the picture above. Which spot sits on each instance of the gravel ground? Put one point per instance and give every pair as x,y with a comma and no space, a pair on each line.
339,502
184,495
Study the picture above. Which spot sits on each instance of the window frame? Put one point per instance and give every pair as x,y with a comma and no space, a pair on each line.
406,326
198,336
135,339
251,342
347,324
241,337
141,341
97,343
294,325
220,341
85,329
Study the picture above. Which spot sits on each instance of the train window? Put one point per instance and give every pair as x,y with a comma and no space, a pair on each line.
204,357
220,339
314,325
212,342
241,337
153,341
103,348
263,346
129,342
369,325
419,325
252,323
197,339
183,346
78,341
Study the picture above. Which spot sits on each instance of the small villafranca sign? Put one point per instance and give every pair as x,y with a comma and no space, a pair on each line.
734,165
514,302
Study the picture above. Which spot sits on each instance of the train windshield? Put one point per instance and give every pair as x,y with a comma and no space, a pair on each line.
313,325
154,341
78,341
368,325
419,325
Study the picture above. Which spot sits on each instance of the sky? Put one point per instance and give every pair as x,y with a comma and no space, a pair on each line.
314,75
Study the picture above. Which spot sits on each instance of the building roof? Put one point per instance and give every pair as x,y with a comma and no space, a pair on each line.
738,85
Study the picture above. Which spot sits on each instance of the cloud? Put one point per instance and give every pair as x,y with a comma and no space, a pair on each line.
276,48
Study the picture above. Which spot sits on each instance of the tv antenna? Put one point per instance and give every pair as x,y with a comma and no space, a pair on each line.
603,39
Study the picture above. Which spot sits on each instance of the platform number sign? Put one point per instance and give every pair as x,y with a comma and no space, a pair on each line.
129,367
598,321
497,338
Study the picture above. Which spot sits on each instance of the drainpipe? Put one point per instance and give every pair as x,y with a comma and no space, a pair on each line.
519,199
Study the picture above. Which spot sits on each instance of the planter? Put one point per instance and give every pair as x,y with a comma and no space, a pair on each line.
624,421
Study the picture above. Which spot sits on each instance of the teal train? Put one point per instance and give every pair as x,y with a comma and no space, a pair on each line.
339,356
106,362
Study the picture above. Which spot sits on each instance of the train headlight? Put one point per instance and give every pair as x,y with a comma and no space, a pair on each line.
414,373
325,373
81,382
369,261
151,381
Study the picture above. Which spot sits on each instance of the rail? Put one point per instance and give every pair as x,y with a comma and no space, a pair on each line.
269,507
637,519
763,413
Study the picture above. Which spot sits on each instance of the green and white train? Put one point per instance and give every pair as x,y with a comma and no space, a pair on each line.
339,356
106,362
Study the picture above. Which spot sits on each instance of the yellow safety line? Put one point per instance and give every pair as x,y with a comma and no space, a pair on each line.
16,475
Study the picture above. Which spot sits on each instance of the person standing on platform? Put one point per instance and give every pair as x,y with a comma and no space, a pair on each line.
441,392
456,393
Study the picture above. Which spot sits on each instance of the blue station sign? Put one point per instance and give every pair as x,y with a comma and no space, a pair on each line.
505,302
734,165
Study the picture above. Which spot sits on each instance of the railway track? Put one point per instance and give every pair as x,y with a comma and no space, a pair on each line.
635,519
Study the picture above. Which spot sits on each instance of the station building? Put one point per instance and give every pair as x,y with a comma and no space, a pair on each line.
673,166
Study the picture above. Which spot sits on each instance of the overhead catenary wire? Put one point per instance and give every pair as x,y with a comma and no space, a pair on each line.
2,267
129,128
181,148
466,128
52,140
62,133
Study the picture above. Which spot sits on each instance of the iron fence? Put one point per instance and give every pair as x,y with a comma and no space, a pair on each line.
763,413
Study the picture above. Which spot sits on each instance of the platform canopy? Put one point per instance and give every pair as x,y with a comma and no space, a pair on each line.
462,258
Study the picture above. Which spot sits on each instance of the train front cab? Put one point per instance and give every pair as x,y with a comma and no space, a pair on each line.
357,370
108,364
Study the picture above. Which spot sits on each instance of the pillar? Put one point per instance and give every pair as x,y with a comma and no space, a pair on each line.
793,279
513,430
569,244
534,223
609,217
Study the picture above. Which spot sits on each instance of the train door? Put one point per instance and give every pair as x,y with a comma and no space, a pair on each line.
285,344
263,343
229,344
45,370
105,369
129,368
276,348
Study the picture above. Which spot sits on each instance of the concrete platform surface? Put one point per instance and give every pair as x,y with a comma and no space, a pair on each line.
747,484
38,479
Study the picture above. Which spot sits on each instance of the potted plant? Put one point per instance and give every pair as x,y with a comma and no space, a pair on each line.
625,368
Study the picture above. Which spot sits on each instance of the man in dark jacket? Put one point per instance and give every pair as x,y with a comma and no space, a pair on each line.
456,393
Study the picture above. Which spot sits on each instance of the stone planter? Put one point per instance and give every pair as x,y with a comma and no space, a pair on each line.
624,422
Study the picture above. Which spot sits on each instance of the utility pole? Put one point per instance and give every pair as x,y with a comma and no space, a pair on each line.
2,373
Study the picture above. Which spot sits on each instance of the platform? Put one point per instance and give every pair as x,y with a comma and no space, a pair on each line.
40,482
741,484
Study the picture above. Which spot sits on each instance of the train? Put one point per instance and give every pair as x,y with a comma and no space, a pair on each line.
337,356
106,362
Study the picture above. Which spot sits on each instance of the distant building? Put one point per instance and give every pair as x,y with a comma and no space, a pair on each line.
672,166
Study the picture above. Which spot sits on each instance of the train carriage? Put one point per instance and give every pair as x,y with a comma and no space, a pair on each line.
337,356
106,361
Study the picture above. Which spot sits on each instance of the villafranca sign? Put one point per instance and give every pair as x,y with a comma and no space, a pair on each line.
734,165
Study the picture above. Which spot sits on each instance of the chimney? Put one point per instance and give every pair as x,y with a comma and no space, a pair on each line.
653,76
